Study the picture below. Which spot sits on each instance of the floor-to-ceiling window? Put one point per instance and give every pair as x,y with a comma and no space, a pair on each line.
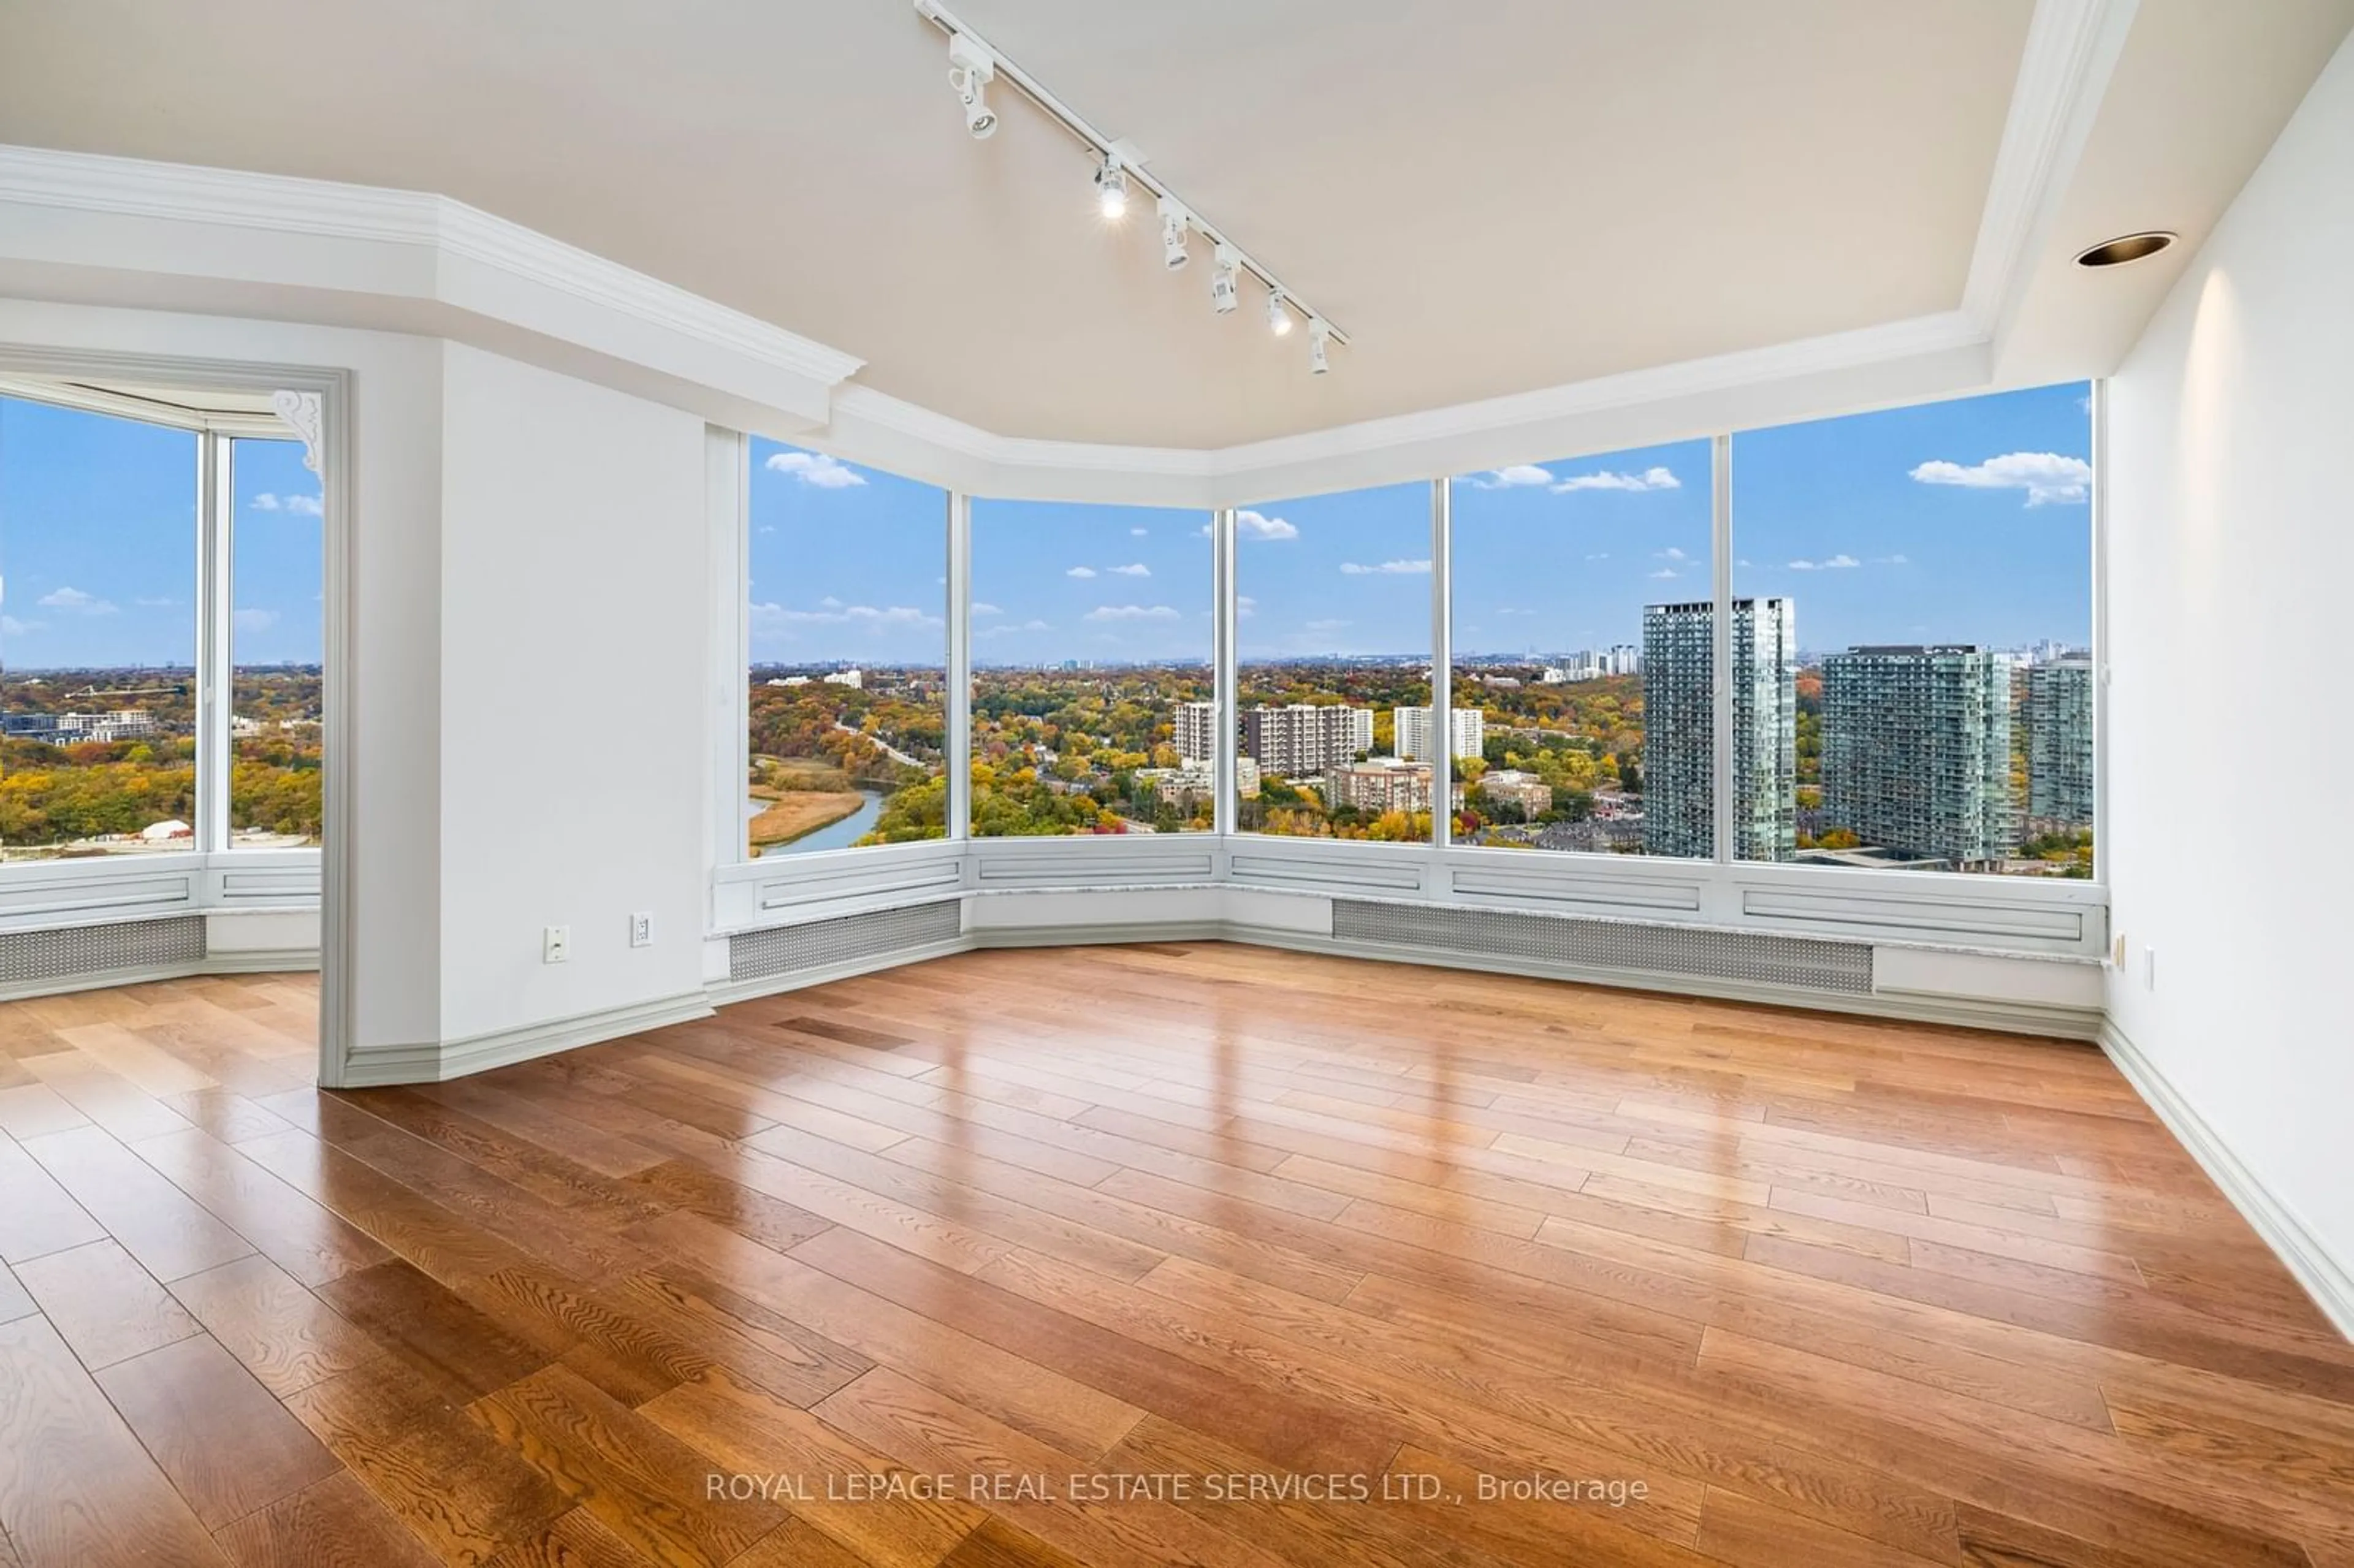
1921,585
848,630
99,530
275,571
1093,689
1332,637
1582,707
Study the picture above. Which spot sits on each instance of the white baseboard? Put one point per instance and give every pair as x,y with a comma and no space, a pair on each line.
2325,1278
435,1061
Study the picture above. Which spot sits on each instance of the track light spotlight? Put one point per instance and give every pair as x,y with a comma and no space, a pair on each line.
1173,220
1111,186
971,69
1224,296
974,65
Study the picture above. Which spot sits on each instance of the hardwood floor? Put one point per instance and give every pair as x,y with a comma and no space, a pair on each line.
1172,1253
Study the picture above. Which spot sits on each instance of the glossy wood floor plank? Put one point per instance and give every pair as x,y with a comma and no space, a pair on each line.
728,1294
224,1441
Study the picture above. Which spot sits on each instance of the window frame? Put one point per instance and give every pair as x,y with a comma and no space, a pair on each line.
2004,915
214,611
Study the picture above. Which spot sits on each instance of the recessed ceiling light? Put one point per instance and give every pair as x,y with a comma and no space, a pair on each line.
2126,248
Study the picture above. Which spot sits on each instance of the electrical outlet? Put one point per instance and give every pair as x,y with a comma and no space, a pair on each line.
555,947
642,929
2118,951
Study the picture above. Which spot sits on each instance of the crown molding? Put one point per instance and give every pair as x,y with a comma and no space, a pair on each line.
751,375
473,263
2072,47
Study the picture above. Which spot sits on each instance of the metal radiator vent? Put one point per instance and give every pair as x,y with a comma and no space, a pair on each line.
783,950
1611,945
29,955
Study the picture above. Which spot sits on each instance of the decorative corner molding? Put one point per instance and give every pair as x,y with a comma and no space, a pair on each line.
2326,1278
305,411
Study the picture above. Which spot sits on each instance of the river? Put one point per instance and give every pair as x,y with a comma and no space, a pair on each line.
834,835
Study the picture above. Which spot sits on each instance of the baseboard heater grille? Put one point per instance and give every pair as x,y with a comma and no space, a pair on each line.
68,952
1663,949
845,939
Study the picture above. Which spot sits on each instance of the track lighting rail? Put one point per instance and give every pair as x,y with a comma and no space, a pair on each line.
966,46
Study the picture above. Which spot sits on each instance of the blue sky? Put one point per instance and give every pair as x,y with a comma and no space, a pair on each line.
1056,580
98,544
1962,521
1334,574
277,565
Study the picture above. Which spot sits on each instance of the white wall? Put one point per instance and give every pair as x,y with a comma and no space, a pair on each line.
527,628
2230,769
573,625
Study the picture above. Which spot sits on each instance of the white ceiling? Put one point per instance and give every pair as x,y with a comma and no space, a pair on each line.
1490,198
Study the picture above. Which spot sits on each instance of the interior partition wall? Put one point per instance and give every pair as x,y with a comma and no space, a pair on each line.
1418,797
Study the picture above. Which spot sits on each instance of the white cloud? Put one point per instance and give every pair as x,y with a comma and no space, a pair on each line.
1599,556
1603,479
1835,564
1244,606
2047,477
1326,625
12,627
986,609
154,603
1139,533
1890,561
817,469
305,505
1665,572
1519,476
1672,554
1255,525
1010,628
1132,612
75,602
255,620
773,618
1387,568
1080,572
1138,570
